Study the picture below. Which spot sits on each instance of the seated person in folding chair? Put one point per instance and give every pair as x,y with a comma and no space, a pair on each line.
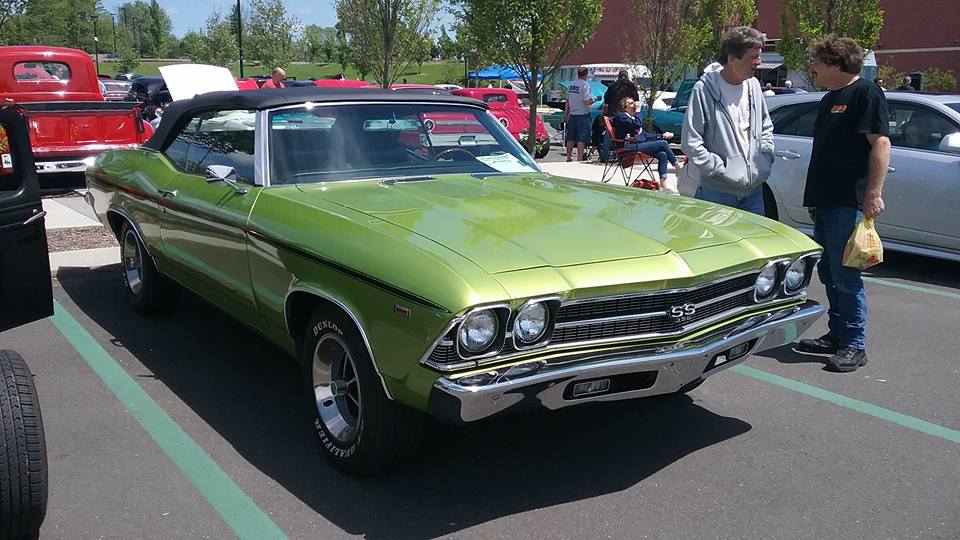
628,125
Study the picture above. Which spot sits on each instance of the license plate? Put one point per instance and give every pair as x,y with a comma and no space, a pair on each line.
591,387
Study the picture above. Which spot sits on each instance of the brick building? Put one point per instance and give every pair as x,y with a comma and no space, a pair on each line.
916,35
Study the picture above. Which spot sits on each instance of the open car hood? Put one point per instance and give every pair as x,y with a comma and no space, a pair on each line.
187,80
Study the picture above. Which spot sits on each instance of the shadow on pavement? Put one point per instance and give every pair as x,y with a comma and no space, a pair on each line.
916,268
247,390
787,354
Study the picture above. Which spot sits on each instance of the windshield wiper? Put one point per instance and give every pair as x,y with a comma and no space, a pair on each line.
400,179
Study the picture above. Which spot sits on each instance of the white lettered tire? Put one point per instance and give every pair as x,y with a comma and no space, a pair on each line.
360,429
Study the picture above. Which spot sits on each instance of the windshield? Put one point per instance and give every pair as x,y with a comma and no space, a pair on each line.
334,143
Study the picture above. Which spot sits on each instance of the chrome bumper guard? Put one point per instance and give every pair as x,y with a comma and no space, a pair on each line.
64,166
628,375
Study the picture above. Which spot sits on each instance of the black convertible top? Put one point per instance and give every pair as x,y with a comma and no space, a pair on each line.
180,112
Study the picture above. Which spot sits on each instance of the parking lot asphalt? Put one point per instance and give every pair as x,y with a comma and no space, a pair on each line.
191,426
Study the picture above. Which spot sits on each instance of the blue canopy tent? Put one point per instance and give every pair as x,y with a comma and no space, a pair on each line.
497,73
597,88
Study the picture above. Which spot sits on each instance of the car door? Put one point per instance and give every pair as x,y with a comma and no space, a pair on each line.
25,293
202,224
922,189
793,142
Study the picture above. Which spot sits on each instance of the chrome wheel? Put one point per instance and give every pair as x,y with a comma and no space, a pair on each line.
132,262
336,389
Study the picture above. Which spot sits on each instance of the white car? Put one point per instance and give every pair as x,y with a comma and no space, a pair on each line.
922,189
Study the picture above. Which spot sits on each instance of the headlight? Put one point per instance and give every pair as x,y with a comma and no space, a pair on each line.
531,323
478,331
794,277
766,282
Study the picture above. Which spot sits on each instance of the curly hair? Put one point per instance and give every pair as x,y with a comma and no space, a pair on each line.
842,52
622,104
737,41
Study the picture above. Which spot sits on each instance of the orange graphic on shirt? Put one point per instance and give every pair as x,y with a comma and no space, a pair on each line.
838,109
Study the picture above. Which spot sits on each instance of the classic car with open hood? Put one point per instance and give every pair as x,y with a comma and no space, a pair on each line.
415,276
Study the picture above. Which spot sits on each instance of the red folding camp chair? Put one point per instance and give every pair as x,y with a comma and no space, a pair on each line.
623,160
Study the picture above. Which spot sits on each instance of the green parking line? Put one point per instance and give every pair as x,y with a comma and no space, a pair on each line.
914,288
234,506
860,406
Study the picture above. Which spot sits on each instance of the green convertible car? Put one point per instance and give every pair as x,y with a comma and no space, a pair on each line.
409,253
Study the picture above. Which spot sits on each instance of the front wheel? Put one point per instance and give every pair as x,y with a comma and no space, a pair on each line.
23,452
361,430
544,150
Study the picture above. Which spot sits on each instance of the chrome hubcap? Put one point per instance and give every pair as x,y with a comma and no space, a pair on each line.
132,262
336,389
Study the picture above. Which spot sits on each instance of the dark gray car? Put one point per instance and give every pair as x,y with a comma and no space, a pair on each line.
922,189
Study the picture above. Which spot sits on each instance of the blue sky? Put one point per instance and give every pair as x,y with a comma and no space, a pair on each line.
189,15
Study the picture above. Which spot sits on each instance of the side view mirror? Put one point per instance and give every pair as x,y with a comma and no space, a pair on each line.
951,143
225,174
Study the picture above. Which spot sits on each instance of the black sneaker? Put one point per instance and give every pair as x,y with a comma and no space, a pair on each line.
847,359
825,344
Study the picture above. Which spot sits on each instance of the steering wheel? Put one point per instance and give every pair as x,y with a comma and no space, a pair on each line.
454,149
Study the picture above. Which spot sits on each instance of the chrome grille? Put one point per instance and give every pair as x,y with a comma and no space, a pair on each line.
648,303
661,324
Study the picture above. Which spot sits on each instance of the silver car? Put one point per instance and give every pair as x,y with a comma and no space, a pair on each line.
922,191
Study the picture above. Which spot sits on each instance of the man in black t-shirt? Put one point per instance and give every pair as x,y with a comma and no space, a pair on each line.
851,151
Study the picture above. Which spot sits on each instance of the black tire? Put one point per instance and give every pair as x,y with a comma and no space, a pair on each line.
23,452
769,203
147,290
543,151
379,432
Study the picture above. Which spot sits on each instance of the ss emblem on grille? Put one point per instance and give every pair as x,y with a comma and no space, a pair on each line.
681,312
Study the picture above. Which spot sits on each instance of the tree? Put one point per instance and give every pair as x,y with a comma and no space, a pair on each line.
447,47
939,80
216,46
316,40
10,9
129,57
271,32
802,21
525,36
890,76
667,38
158,28
342,51
387,31
718,16
422,52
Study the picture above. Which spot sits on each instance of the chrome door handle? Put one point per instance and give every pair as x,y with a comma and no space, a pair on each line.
165,192
891,169
788,154
35,217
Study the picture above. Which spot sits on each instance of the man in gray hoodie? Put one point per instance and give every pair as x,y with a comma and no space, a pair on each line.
727,131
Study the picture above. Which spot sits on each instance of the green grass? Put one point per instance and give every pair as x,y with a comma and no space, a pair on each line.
432,72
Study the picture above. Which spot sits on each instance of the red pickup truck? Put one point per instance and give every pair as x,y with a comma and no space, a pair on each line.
68,118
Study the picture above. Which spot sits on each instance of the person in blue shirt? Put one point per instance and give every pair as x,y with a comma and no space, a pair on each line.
628,125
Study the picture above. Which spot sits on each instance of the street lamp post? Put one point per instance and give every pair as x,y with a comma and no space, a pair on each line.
240,37
96,45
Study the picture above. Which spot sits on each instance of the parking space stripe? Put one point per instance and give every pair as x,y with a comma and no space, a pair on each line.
914,288
850,403
234,506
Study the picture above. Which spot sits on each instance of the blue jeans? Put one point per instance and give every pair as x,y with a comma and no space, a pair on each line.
657,149
751,203
832,228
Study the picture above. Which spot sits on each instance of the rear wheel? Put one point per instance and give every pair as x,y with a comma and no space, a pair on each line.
147,290
23,452
361,430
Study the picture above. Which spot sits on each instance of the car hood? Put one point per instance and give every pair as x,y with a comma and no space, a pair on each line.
506,223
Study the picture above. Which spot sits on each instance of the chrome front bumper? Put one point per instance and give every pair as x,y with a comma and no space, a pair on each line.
632,374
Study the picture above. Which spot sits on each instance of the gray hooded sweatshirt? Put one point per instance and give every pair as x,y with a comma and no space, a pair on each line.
711,143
